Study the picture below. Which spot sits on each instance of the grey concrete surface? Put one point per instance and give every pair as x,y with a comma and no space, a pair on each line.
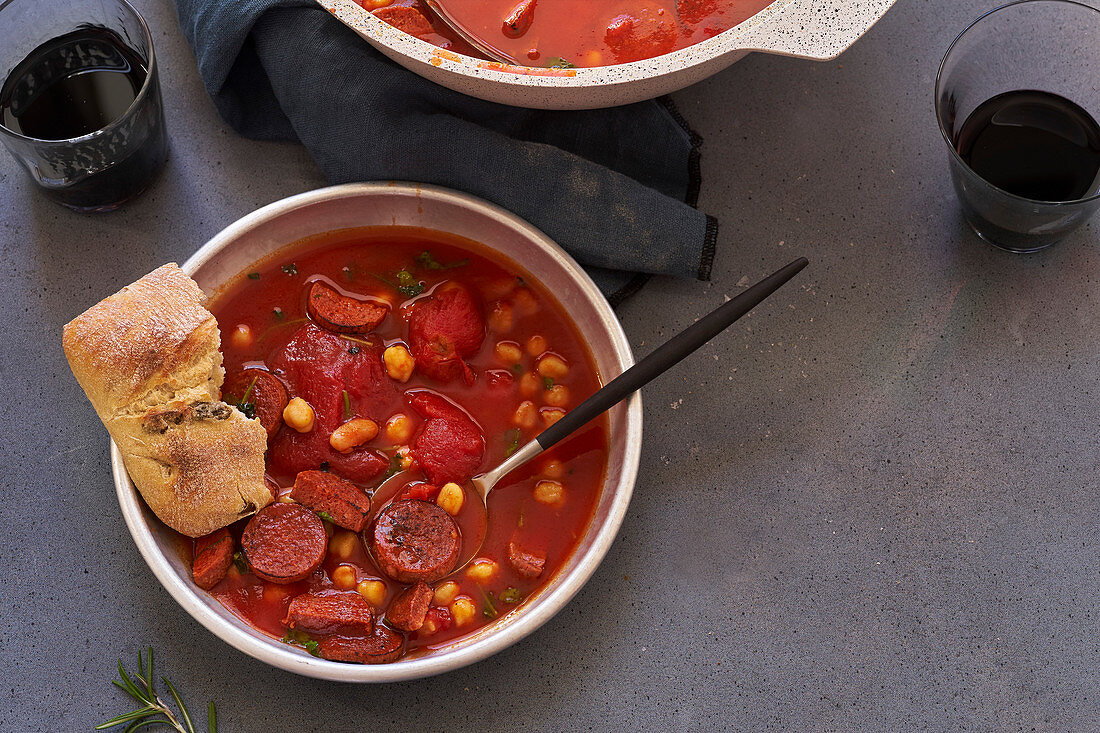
872,505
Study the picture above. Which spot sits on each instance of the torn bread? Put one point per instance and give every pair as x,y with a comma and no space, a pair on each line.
148,359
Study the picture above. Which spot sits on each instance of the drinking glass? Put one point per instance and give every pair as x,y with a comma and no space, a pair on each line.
101,170
1043,45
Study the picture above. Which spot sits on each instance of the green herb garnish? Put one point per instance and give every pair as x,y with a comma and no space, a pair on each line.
395,466
557,62
517,368
548,383
408,284
253,276
512,436
241,563
490,610
425,260
313,647
277,312
349,273
347,405
511,595
290,268
153,710
302,639
248,408
326,516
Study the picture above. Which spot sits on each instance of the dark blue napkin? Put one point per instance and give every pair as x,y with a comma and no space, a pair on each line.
615,187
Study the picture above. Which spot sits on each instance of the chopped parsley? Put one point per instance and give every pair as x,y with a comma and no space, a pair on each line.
326,516
557,62
248,408
290,268
302,639
517,368
511,595
512,436
347,405
490,610
425,260
394,467
277,312
253,276
240,562
408,284
548,383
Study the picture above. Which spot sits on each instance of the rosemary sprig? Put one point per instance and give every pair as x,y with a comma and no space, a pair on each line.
140,687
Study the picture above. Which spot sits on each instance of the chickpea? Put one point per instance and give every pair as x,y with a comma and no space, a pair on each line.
498,288
241,337
376,4
342,544
451,498
299,415
500,317
551,493
373,591
553,469
530,384
429,627
399,362
445,593
553,366
557,396
399,429
273,592
536,345
551,415
286,499
593,58
353,433
525,303
482,570
508,353
463,610
525,415
343,577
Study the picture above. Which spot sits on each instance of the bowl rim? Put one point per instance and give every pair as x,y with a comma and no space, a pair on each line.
551,601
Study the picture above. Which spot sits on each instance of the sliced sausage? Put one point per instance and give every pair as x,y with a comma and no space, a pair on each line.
407,611
443,331
380,647
257,393
330,613
519,18
284,543
404,18
213,556
334,311
342,500
415,541
527,564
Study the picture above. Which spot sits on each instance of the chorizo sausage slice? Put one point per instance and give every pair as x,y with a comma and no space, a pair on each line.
213,556
284,543
527,564
408,610
260,394
342,500
415,541
330,613
381,647
334,311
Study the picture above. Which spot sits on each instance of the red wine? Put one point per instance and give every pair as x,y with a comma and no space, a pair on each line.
1033,144
84,82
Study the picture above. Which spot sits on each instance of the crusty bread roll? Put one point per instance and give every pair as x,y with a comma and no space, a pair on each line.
148,359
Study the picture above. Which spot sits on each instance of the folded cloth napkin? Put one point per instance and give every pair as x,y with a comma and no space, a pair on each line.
615,187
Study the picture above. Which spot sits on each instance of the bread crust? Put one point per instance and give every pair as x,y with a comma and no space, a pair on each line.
148,359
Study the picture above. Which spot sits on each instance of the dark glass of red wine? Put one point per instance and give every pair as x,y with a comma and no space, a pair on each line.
80,104
1018,106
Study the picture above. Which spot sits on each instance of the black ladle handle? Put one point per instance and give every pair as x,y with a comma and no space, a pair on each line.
668,355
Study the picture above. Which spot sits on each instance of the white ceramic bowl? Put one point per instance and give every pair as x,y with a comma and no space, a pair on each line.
367,204
811,29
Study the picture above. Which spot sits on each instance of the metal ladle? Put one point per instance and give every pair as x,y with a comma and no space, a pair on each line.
653,365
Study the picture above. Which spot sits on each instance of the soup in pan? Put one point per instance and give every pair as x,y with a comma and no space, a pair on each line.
569,33
373,352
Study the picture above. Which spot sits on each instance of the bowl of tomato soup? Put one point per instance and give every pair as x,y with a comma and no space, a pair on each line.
454,332
573,54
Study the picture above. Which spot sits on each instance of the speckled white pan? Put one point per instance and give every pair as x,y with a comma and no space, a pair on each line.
812,29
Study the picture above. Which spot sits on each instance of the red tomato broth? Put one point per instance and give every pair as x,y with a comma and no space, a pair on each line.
586,33
353,260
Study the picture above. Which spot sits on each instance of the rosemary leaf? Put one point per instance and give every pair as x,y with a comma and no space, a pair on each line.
179,703
212,720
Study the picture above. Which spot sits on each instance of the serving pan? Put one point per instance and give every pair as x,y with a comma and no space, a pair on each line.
810,29
372,204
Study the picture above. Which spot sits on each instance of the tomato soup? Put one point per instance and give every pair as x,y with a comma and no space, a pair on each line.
571,33
376,352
